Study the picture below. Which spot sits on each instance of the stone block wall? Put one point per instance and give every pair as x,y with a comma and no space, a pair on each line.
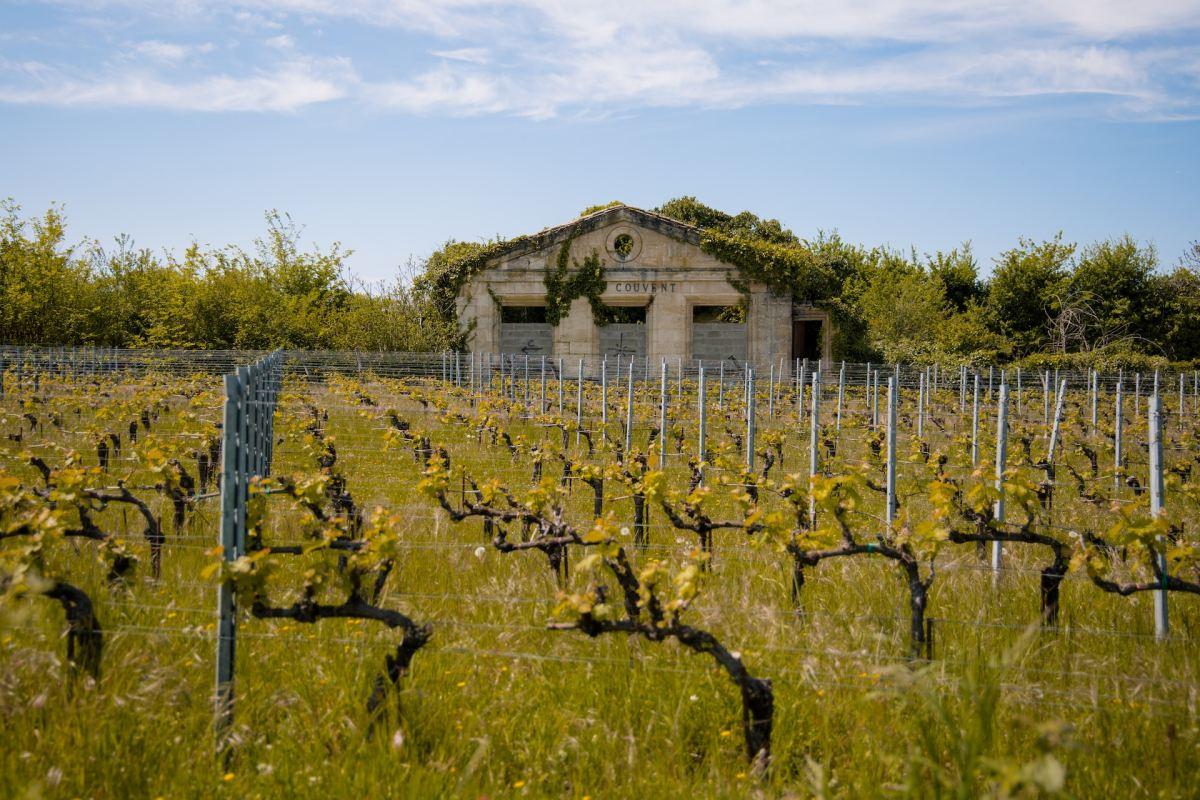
719,341
533,338
623,339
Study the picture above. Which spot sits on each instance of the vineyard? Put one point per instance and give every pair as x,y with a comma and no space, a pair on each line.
340,575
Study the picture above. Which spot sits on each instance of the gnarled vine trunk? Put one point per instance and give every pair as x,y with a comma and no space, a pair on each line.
598,497
558,556
758,717
641,520
395,667
797,578
918,595
1052,578
85,640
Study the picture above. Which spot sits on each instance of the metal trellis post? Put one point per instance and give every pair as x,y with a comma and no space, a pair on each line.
1001,459
702,410
750,415
890,497
814,432
1161,618
662,420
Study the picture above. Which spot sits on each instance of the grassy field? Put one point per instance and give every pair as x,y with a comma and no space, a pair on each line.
497,705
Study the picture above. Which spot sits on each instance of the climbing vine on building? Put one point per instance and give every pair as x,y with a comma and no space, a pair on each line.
784,269
564,285
452,267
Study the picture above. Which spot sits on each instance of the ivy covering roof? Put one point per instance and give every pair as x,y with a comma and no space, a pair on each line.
551,237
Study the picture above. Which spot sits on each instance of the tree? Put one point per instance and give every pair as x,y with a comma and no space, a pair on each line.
904,308
958,274
391,316
693,212
1024,287
971,335
1177,300
1191,256
1111,289
140,301
41,281
600,207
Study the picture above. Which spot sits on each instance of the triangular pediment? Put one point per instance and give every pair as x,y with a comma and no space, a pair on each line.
550,238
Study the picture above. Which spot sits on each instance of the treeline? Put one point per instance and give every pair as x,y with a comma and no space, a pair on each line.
1106,304
273,295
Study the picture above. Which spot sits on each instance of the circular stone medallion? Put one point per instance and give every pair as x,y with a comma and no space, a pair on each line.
624,244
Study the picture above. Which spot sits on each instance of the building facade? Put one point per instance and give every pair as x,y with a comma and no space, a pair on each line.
663,297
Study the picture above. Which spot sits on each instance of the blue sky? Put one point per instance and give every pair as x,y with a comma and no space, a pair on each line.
392,125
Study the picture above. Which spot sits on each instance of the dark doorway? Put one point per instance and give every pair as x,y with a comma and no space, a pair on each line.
806,339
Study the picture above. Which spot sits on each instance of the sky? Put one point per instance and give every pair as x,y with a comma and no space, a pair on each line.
393,125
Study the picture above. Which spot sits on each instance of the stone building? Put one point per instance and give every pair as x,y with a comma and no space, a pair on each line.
663,297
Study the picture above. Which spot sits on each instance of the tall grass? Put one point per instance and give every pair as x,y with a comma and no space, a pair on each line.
498,706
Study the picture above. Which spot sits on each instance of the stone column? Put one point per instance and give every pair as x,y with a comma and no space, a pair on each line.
667,318
477,305
575,337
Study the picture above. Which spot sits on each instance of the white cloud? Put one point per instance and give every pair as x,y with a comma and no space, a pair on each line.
637,75
171,52
908,20
289,87
540,58
250,21
995,74
443,90
691,77
472,55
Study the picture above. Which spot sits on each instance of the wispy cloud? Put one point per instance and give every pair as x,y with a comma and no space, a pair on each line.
886,20
541,58
289,87
171,52
281,42
443,89
472,55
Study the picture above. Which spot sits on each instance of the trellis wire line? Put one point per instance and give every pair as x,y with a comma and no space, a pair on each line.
22,362
643,662
816,397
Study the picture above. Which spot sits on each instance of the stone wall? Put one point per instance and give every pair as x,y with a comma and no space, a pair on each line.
531,338
719,341
623,339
